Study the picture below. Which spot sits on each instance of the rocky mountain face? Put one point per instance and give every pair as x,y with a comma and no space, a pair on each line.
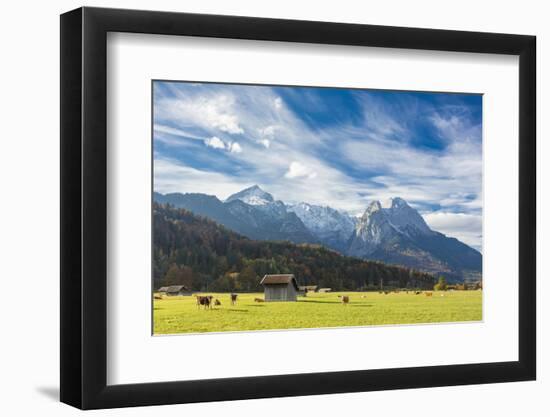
396,234
251,212
399,235
332,227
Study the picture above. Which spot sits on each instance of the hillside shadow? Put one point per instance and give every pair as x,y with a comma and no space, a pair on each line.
361,305
238,310
320,302
257,305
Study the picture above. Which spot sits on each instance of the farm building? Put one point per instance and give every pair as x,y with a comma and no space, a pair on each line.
177,290
304,289
162,289
279,287
325,289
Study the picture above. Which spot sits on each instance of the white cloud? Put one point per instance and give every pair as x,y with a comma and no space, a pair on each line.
158,128
172,177
264,142
465,227
235,148
213,111
278,103
268,132
214,142
298,170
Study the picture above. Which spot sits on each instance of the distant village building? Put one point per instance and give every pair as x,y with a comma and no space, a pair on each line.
304,289
325,289
177,290
282,287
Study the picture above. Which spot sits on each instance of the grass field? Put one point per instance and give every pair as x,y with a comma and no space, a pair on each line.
317,310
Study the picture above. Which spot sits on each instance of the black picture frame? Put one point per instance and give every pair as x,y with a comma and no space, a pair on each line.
84,207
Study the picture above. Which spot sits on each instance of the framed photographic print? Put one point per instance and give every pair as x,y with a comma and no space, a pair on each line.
258,207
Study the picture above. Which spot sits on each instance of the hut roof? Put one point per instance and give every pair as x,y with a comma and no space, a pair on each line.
279,279
162,289
176,288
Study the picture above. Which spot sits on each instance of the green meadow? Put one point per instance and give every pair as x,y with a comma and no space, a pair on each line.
180,314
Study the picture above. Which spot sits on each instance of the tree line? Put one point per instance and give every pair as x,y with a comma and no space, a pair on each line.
203,255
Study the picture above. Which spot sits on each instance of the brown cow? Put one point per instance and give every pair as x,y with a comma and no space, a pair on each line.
428,294
204,300
258,300
233,299
217,302
345,299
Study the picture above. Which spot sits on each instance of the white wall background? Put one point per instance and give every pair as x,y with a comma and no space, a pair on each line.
29,225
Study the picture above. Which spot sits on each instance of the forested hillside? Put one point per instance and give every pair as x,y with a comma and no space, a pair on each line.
204,255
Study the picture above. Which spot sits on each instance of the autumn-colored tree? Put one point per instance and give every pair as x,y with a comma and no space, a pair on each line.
179,275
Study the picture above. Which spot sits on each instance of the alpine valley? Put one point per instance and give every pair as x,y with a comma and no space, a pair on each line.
393,234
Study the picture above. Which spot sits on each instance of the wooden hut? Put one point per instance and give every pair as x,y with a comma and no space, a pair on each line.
162,289
282,287
177,290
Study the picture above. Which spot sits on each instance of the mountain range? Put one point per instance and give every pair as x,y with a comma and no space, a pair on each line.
396,234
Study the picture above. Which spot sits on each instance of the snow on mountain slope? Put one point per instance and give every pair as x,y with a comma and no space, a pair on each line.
331,226
254,196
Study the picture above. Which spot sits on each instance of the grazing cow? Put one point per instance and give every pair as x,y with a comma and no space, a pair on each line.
217,302
233,299
344,298
429,294
258,300
157,297
417,292
363,296
204,300
386,292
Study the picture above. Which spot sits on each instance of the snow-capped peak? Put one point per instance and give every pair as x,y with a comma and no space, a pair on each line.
327,223
254,196
373,207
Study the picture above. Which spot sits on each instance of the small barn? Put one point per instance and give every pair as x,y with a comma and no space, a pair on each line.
325,289
177,290
162,289
282,287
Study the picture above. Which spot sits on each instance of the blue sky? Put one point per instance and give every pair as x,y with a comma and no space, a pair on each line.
326,146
